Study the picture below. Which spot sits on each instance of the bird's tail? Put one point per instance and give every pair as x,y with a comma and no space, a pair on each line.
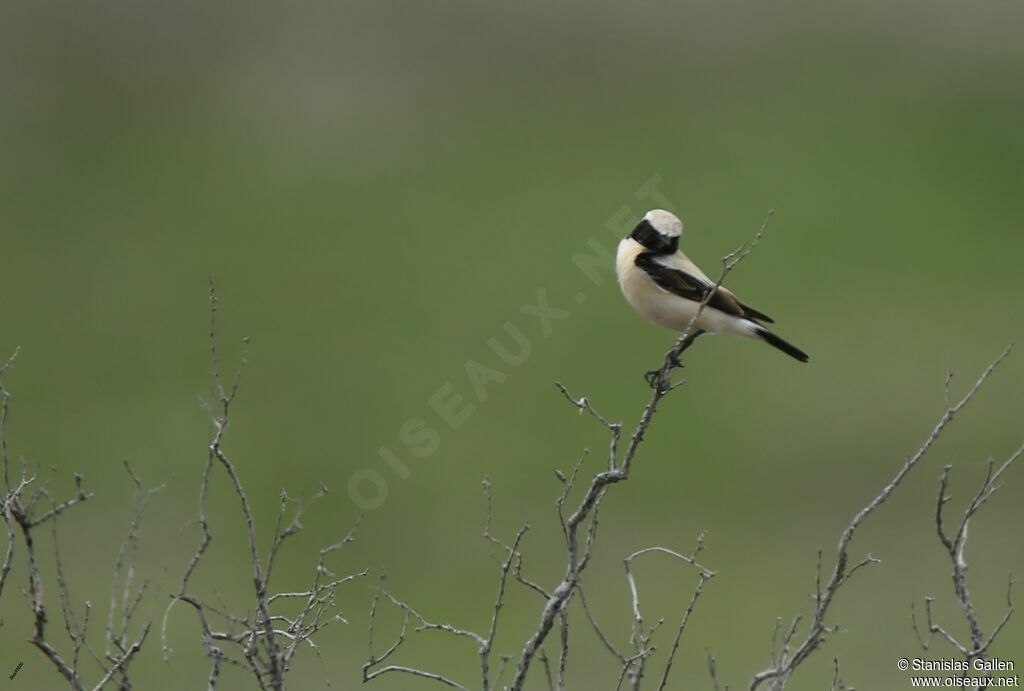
783,345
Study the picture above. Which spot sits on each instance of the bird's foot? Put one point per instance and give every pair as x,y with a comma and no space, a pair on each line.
653,378
673,358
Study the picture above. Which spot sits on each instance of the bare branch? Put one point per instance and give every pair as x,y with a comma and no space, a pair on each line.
585,518
614,428
543,656
837,681
713,673
265,641
9,492
119,653
778,674
955,546
597,629
704,577
511,565
375,660
643,635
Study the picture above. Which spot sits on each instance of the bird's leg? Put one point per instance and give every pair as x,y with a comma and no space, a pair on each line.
673,356
654,377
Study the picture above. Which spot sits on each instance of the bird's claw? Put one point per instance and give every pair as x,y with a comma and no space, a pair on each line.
653,378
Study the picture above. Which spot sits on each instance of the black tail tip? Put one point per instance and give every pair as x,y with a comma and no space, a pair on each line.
783,345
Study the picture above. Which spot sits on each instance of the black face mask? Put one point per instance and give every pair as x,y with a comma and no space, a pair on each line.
646,235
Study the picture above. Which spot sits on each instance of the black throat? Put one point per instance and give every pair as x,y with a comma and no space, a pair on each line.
646,235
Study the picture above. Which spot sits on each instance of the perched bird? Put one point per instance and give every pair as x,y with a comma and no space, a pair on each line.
665,287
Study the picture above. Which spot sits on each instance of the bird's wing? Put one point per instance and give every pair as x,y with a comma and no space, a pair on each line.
680,261
751,313
687,286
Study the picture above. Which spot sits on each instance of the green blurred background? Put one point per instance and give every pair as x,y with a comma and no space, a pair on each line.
379,187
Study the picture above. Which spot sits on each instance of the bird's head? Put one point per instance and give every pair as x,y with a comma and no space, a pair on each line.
659,231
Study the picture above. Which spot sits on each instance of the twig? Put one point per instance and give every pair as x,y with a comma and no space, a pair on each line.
119,652
837,681
642,635
263,642
9,492
778,674
955,546
713,673
484,643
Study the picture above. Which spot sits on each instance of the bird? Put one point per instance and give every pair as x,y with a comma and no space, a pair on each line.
666,288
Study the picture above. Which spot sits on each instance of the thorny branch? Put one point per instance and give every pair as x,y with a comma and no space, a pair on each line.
264,641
